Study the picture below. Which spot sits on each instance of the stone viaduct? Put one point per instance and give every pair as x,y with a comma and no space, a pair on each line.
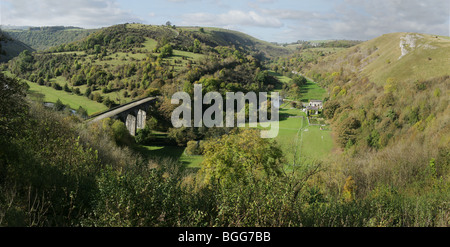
133,114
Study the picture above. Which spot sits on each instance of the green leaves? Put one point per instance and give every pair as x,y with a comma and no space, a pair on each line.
242,156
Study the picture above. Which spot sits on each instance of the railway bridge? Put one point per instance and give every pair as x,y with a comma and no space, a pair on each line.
133,114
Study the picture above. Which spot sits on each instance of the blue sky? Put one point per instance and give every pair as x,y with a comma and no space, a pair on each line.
270,20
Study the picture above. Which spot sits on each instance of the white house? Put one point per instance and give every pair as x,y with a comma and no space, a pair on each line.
314,105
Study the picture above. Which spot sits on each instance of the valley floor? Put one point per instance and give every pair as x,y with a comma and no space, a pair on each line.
299,141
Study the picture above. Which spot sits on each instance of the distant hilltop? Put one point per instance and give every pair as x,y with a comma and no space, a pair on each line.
43,28
52,28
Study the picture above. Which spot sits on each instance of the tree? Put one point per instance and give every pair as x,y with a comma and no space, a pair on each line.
97,49
299,80
349,189
13,105
329,108
168,23
166,51
88,91
82,112
181,135
241,157
66,88
197,45
121,134
194,148
109,103
59,106
77,91
347,131
144,135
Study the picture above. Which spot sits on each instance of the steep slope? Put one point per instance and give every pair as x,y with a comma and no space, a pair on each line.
123,62
46,37
224,37
184,37
387,91
399,56
10,47
389,109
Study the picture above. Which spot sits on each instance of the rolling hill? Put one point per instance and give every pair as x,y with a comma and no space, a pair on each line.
9,47
400,56
117,64
43,38
225,37
389,91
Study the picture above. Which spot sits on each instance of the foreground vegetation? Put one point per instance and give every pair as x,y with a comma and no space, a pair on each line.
57,171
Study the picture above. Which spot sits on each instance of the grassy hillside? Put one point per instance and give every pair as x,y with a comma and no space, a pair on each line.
117,64
225,37
213,37
388,105
400,56
48,94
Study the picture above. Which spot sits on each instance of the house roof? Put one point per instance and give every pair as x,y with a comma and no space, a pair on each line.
315,100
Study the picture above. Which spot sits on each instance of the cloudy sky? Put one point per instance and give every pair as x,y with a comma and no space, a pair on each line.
270,20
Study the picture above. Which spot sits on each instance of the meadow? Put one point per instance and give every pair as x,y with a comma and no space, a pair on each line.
308,92
74,101
300,141
48,94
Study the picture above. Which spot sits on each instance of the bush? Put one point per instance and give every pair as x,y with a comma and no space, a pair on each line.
144,136
121,134
182,135
195,147
166,51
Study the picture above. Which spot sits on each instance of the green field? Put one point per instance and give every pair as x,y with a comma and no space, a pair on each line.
300,141
308,92
281,78
316,143
174,152
73,100
312,91
48,94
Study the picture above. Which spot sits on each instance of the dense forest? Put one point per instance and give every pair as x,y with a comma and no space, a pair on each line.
43,38
10,48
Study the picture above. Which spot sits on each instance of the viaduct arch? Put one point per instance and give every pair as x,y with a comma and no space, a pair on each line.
133,114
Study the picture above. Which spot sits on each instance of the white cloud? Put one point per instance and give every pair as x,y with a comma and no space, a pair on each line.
83,13
364,19
231,18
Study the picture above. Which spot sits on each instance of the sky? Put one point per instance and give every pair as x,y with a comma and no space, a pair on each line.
281,21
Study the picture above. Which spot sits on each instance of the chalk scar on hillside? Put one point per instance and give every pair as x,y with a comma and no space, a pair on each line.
409,42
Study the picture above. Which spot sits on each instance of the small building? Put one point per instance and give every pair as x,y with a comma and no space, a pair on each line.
316,103
312,110
313,107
